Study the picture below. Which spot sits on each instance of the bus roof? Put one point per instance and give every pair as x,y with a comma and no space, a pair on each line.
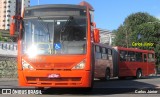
133,49
103,45
55,6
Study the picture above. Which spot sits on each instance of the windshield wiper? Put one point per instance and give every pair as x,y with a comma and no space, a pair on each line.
64,27
66,24
44,26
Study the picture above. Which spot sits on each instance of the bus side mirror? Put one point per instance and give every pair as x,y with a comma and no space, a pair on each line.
12,28
13,25
96,35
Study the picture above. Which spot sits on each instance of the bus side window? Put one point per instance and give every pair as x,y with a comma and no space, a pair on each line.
145,58
139,57
104,53
131,56
123,55
109,54
98,52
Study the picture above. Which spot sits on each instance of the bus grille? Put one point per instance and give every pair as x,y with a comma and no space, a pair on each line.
45,79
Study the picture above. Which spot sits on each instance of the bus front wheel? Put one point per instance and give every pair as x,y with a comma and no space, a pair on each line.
139,74
39,88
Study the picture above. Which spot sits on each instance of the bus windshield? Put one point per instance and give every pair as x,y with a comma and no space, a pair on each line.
65,35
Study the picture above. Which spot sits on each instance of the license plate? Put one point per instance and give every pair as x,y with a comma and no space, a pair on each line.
54,76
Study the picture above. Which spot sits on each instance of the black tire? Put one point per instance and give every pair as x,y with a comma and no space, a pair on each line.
39,88
156,72
139,74
121,78
92,81
107,75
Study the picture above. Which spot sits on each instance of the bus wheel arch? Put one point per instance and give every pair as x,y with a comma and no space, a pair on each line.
139,73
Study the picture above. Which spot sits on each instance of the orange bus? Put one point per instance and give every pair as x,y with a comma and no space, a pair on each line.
133,62
56,46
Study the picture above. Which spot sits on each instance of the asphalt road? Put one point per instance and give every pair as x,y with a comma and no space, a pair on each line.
121,88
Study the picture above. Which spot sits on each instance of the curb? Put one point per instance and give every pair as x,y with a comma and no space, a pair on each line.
8,79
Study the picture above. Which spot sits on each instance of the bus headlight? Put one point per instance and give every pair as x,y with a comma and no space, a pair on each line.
80,65
26,65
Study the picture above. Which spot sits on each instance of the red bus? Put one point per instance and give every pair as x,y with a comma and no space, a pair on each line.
133,62
56,46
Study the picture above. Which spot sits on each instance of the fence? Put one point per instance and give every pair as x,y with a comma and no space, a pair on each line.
8,45
8,48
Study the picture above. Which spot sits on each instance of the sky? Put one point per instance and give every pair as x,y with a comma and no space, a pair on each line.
110,14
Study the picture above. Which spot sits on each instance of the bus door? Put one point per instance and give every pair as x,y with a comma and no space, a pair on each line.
145,64
123,64
151,63
131,63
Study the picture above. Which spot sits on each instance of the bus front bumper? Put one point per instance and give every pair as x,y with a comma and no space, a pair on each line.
46,78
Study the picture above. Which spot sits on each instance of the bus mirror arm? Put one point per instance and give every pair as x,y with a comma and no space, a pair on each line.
13,25
93,24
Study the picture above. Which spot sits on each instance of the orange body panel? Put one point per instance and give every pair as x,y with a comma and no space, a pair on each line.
54,61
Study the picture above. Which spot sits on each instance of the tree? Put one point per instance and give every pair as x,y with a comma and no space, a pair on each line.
5,39
120,34
135,24
1,38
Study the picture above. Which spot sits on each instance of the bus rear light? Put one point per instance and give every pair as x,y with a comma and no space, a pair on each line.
26,65
80,65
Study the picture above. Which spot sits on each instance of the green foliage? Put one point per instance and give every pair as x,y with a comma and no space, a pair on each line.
137,19
0,37
120,35
5,39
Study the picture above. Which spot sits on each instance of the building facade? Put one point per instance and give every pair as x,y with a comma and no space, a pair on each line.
106,36
8,8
